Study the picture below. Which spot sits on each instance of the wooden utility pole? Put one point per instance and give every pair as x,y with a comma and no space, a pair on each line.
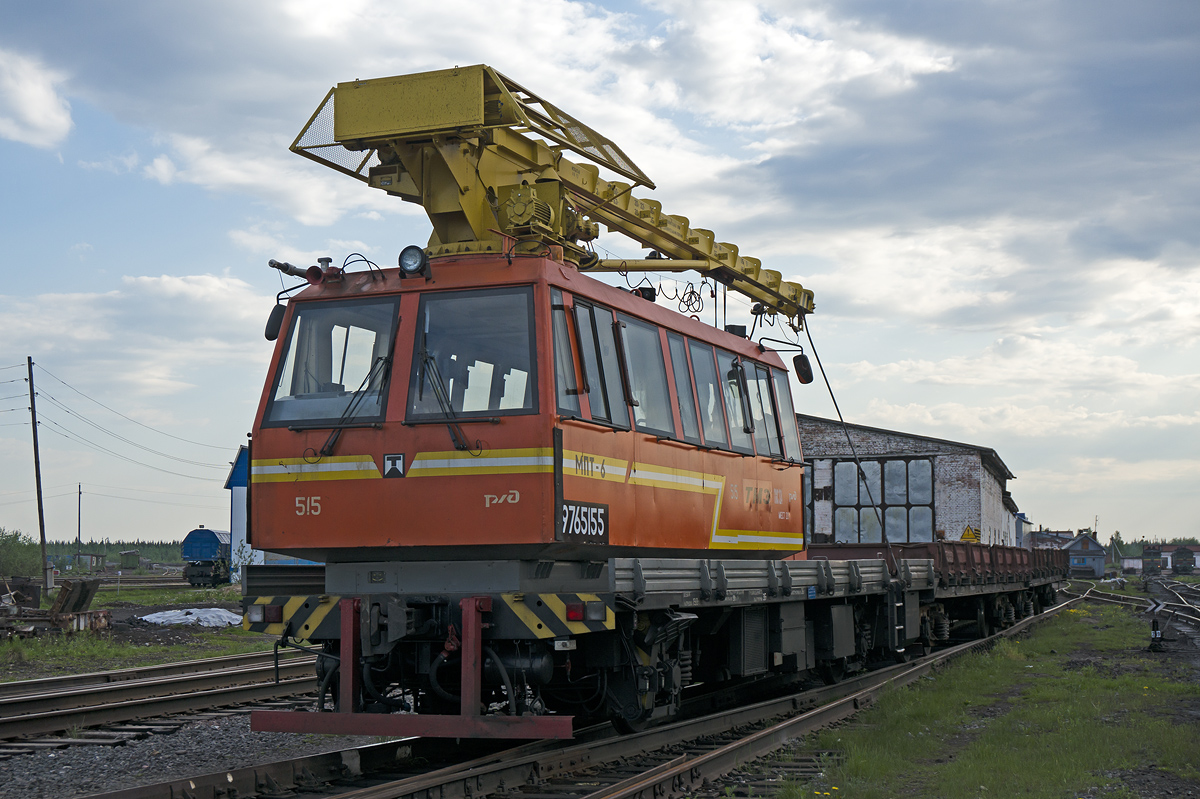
37,476
79,526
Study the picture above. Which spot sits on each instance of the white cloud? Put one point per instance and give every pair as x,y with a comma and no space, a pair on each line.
31,109
767,65
151,336
162,169
117,164
268,245
1088,475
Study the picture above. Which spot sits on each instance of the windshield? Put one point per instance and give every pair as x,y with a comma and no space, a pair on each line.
335,366
474,354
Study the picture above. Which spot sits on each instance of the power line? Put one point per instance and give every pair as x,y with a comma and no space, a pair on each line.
15,366
123,416
155,501
147,490
119,437
31,499
71,436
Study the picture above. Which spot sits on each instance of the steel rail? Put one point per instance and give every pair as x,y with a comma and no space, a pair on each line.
1185,611
542,760
13,708
153,698
67,681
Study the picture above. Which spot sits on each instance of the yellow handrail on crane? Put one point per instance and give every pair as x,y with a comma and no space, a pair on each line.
484,157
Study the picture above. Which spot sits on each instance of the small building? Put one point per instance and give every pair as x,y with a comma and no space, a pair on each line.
1086,556
920,488
1181,558
87,561
1050,539
130,559
236,483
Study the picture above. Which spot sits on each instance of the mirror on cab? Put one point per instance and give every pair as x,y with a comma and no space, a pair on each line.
275,321
804,372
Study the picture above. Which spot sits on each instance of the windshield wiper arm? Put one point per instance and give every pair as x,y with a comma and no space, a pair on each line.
430,369
379,368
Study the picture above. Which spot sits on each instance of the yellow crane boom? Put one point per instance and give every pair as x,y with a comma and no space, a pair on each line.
485,158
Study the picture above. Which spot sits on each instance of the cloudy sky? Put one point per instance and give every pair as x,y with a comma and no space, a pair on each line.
997,205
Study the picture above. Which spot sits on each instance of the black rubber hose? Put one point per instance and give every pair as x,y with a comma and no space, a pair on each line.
508,686
433,683
376,695
324,686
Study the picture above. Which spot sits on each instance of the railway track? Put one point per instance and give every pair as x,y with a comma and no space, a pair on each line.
664,762
33,708
1187,608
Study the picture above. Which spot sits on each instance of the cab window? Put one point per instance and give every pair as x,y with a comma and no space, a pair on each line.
598,352
566,388
336,363
787,416
735,384
762,408
474,354
683,388
650,400
708,395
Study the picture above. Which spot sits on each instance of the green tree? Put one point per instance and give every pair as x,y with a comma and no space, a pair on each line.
20,555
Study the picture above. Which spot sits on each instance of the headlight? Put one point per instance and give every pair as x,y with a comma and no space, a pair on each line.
413,261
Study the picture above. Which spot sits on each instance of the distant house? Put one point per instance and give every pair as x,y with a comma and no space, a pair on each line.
1050,539
1086,556
1181,558
87,561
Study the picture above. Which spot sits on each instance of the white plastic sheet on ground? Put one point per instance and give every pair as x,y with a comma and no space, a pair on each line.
205,617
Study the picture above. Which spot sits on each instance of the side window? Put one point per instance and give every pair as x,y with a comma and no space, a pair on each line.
565,386
735,401
787,416
647,377
708,393
683,388
599,350
762,408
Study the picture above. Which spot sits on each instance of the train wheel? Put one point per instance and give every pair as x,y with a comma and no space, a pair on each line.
629,726
832,672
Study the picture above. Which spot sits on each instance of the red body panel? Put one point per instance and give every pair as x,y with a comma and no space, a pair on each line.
663,497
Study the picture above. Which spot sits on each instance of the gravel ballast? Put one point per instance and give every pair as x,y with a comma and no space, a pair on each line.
199,747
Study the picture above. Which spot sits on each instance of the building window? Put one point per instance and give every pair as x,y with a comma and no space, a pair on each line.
898,492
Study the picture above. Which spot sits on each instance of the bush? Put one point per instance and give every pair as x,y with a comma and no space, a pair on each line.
20,555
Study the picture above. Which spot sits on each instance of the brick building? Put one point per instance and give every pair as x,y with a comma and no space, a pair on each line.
924,488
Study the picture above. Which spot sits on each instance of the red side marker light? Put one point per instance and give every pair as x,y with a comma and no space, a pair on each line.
575,611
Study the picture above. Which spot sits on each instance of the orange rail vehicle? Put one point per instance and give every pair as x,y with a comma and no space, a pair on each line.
537,497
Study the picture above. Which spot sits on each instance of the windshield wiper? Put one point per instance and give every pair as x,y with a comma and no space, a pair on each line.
429,367
378,369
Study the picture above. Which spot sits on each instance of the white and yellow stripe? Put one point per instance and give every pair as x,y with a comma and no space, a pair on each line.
299,470
534,460
757,539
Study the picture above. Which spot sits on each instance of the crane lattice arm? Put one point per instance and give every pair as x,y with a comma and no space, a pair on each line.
484,157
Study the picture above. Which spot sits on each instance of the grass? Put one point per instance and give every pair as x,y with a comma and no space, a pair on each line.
149,597
86,653
1049,716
